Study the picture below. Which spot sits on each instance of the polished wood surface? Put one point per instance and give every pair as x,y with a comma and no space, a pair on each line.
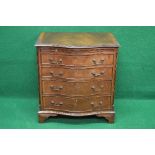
77,39
76,81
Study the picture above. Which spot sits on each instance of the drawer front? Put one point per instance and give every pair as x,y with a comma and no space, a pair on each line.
106,73
86,88
76,60
75,51
65,104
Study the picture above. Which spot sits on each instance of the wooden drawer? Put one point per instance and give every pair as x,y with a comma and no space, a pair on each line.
106,73
66,104
65,59
71,88
76,51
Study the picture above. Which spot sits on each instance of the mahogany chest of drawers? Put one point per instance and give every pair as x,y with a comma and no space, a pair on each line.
76,74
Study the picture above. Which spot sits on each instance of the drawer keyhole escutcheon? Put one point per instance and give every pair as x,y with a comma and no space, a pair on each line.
101,102
101,62
92,103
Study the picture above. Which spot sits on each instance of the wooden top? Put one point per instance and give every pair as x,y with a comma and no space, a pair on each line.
77,39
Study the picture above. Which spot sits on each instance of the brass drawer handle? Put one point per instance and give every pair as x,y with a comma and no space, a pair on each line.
98,74
57,88
101,62
53,103
58,75
96,104
56,62
92,103
54,50
95,89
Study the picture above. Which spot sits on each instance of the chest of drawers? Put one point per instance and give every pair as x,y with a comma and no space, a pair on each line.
76,74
